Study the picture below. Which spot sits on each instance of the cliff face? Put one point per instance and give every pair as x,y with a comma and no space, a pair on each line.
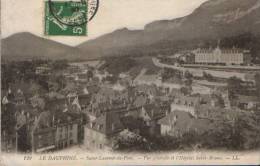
214,19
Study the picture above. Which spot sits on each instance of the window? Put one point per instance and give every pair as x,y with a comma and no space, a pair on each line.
71,142
71,127
70,134
100,146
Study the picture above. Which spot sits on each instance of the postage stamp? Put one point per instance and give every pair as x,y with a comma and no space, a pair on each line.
69,18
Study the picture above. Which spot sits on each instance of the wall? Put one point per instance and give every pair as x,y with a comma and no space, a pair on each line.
94,140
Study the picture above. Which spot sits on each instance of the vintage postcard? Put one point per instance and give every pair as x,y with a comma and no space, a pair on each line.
137,82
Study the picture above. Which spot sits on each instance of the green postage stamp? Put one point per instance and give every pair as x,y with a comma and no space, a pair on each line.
66,18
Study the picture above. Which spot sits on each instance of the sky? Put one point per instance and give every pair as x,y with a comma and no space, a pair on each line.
28,16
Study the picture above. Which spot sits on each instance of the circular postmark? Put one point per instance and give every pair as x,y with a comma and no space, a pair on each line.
80,11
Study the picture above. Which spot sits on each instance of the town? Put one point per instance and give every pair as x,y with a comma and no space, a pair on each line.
198,99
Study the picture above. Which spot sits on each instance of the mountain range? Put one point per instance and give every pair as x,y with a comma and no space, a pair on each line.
213,20
26,46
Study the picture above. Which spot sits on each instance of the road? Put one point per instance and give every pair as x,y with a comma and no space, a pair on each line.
199,72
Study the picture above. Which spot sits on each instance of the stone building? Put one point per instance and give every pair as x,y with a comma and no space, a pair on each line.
232,56
101,133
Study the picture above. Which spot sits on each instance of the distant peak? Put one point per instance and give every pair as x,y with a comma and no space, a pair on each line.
122,30
24,34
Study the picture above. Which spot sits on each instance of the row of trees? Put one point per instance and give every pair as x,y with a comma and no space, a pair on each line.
242,133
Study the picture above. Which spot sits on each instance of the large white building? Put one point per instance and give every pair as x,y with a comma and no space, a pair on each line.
232,56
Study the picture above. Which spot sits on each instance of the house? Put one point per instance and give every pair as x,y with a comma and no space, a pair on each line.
185,103
100,133
177,123
43,133
67,130
150,114
43,140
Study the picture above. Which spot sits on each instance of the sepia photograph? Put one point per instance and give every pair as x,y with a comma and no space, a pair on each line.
146,77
